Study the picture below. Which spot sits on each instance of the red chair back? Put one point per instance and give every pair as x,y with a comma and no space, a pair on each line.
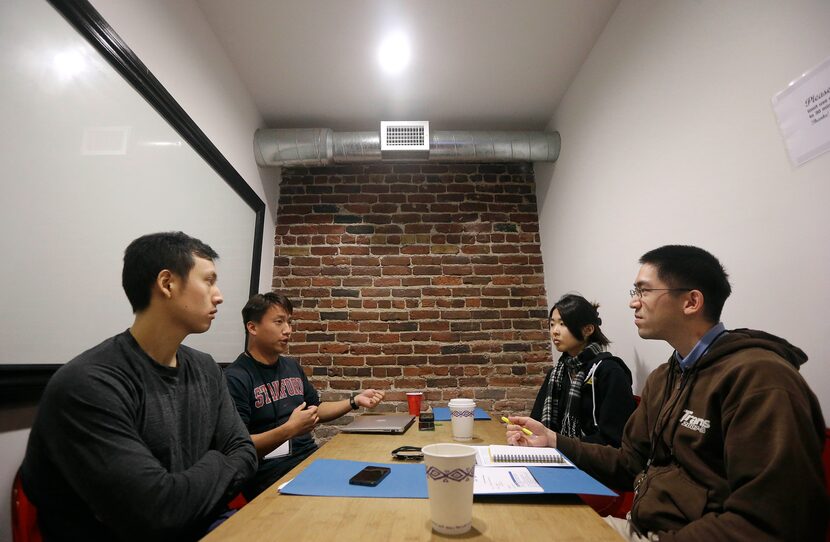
238,502
24,515
825,459
607,506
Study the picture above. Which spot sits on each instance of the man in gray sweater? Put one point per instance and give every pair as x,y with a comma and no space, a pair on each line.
137,438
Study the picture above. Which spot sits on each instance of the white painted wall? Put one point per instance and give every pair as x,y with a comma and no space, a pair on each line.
668,136
175,42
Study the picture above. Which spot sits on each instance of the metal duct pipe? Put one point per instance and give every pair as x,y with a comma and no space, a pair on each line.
300,147
321,146
460,146
356,147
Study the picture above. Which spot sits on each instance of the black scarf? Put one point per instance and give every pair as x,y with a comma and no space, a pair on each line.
568,417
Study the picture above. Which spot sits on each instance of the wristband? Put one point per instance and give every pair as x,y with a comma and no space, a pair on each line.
352,403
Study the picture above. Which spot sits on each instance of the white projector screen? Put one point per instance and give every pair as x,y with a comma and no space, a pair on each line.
95,154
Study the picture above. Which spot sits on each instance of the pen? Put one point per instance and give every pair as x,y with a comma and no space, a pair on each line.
525,430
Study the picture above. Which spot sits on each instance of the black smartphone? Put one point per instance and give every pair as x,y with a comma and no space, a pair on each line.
370,476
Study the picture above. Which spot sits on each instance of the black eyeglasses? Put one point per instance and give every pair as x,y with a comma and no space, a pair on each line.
638,292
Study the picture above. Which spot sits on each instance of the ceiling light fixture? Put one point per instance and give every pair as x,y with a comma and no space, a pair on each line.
394,53
69,64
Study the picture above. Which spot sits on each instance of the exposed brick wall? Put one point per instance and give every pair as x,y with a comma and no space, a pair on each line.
415,277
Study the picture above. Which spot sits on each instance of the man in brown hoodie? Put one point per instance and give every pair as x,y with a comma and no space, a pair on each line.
726,443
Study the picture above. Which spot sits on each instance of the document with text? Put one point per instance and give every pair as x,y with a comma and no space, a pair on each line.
498,480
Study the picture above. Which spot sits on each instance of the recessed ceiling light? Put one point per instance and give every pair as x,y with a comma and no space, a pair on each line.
394,53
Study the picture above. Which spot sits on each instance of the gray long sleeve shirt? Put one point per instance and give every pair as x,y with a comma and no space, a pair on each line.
124,448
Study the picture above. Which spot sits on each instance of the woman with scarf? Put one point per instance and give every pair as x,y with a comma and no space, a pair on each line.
587,394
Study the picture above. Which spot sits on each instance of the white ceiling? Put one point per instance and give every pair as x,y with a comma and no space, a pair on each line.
476,64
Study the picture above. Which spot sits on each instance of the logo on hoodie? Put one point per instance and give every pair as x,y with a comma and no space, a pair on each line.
690,421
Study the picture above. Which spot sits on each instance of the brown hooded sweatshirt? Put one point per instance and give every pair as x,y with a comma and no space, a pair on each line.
737,447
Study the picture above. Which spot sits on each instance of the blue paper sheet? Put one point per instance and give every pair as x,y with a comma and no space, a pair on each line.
442,414
330,478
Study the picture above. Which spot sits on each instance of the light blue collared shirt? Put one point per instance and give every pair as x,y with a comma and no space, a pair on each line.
701,347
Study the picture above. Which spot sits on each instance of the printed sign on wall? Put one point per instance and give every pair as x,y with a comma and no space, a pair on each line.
803,111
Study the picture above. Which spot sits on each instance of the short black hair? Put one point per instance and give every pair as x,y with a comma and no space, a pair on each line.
685,266
258,305
148,255
577,312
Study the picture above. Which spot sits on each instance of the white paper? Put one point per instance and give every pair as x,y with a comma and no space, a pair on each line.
497,480
283,450
803,111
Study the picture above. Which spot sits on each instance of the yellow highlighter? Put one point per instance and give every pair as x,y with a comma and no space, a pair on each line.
525,430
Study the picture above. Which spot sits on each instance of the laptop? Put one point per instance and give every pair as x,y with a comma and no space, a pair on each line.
380,423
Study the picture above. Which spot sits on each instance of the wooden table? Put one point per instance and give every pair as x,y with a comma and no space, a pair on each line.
292,518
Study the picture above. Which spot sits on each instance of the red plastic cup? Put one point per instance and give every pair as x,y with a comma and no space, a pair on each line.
414,399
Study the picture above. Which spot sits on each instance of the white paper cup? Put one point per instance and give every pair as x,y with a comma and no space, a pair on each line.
450,476
462,414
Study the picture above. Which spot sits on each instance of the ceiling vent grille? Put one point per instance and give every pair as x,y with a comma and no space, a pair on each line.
404,136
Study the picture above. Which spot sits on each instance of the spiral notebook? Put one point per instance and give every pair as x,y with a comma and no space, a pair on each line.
497,455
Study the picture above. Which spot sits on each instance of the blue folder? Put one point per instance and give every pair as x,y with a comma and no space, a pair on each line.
330,478
568,480
442,414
